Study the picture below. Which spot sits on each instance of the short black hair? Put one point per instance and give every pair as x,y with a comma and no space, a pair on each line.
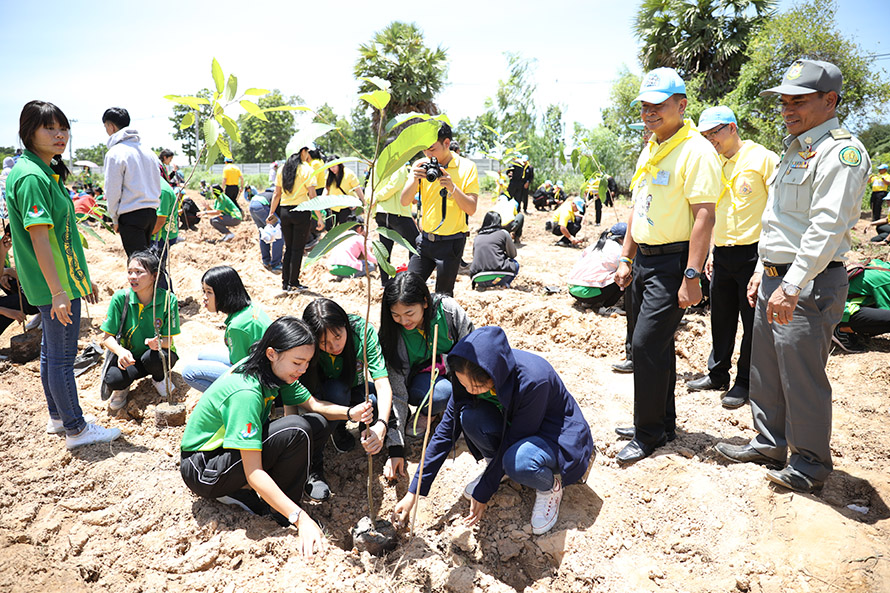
228,289
118,116
165,153
37,114
445,132
147,258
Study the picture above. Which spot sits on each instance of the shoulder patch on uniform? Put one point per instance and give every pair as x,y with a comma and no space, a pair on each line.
840,134
851,156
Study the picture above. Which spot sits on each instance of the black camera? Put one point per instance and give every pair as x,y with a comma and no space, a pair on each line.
432,169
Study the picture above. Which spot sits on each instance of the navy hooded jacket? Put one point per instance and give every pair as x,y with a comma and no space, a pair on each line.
535,402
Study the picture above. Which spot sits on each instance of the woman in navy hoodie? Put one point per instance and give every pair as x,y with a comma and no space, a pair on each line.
517,414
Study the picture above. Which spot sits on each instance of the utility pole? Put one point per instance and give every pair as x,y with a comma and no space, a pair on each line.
71,145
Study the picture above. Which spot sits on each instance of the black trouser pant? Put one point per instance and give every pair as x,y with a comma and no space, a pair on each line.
523,199
442,256
295,226
287,448
656,280
869,321
877,203
11,301
135,229
631,321
232,192
150,363
572,227
733,267
598,206
514,227
403,225
883,231
607,297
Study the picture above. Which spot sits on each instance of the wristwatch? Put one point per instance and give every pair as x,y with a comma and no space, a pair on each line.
692,273
790,289
295,516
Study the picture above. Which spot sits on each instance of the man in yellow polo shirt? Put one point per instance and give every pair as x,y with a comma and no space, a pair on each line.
880,182
675,186
233,181
445,205
747,166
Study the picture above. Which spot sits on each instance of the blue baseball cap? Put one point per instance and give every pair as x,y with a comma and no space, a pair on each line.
660,84
619,229
712,117
882,166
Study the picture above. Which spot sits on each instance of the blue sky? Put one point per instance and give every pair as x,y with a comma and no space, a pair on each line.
87,56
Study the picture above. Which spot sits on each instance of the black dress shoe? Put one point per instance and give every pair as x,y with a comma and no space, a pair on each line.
636,450
705,383
735,397
793,480
626,366
746,454
628,432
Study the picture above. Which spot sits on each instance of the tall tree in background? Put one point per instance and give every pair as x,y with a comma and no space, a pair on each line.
92,153
808,30
417,73
186,136
334,142
265,141
707,37
363,137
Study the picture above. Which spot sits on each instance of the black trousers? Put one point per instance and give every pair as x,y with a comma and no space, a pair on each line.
656,280
608,296
877,203
11,301
403,225
232,192
295,226
150,363
287,447
442,256
869,321
598,206
135,229
523,199
883,231
631,322
572,227
733,267
515,226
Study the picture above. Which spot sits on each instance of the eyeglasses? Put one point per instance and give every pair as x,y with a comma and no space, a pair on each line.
713,133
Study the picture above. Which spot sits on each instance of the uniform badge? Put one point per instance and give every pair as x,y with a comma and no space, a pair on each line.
807,154
851,156
745,189
794,71
800,164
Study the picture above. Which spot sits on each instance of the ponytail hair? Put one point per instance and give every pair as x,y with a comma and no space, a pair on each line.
38,114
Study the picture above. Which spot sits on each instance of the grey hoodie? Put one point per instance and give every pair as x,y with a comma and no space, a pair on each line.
132,175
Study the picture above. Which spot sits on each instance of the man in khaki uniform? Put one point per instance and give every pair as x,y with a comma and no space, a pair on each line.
800,284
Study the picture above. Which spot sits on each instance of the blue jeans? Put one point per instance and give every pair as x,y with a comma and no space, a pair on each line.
531,461
57,351
271,254
212,363
421,384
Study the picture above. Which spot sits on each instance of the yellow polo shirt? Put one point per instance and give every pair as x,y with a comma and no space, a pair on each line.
231,174
688,173
321,176
298,195
740,207
347,185
564,214
453,220
880,182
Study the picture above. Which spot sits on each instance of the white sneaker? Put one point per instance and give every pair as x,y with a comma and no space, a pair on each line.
161,387
228,236
546,509
93,433
118,399
34,322
468,491
56,427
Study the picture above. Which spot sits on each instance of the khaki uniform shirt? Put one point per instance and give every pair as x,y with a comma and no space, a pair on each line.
814,200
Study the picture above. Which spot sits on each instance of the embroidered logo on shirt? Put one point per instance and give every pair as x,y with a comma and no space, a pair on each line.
851,156
249,431
36,212
745,189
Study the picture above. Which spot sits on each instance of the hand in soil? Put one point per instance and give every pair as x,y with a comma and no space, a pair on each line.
393,468
477,509
310,536
402,510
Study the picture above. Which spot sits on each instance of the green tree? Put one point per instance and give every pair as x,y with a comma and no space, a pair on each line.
875,137
93,153
265,141
337,141
6,151
700,37
808,30
415,72
363,136
620,114
186,137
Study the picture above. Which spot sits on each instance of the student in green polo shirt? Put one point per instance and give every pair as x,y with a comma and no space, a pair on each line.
151,322
232,452
51,264
224,215
338,374
166,230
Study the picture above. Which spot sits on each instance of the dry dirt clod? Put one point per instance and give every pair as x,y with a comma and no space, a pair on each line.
25,347
167,414
377,539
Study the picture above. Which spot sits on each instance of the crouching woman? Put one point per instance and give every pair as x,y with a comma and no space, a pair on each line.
516,413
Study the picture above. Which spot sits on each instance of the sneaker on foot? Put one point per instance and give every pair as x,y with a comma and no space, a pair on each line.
847,341
247,500
546,509
317,486
228,236
34,322
54,426
93,433
343,440
118,399
161,387
471,486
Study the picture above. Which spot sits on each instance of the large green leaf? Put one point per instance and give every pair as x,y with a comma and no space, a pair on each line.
224,148
380,83
325,202
231,87
382,257
341,232
307,136
212,153
193,102
187,121
576,154
253,109
231,128
218,78
85,228
403,117
211,131
410,141
377,99
395,236
586,165
256,92
604,187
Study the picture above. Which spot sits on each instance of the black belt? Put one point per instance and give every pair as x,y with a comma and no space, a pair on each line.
432,237
665,249
776,270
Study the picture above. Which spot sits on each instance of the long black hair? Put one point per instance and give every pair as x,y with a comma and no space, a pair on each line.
407,288
491,223
285,333
42,114
147,258
321,315
334,178
229,293
289,171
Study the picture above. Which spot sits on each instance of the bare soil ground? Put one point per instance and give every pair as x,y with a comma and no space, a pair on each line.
118,518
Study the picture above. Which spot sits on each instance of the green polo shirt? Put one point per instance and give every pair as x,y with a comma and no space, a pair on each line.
226,206
142,320
243,329
420,345
231,414
168,208
332,366
36,196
